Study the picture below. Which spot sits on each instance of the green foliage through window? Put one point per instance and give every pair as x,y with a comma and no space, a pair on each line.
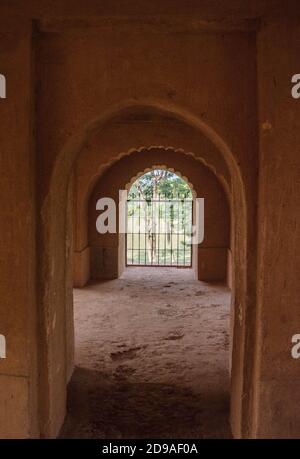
159,183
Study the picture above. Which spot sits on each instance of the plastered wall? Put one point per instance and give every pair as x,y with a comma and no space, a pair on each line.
18,379
278,393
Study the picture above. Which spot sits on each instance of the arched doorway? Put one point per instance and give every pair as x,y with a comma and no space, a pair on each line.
53,291
155,331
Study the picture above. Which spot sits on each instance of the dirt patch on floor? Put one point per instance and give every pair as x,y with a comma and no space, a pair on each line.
152,358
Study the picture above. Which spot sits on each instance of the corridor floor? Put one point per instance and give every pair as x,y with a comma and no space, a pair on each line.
152,358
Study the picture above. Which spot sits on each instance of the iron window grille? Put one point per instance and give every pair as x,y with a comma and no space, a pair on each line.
159,231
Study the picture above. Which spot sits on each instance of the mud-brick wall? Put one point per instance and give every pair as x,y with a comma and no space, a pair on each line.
18,385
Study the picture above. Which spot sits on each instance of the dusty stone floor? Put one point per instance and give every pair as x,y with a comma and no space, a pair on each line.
152,352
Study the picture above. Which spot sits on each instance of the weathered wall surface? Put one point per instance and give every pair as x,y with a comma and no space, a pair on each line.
212,261
69,282
18,384
278,385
